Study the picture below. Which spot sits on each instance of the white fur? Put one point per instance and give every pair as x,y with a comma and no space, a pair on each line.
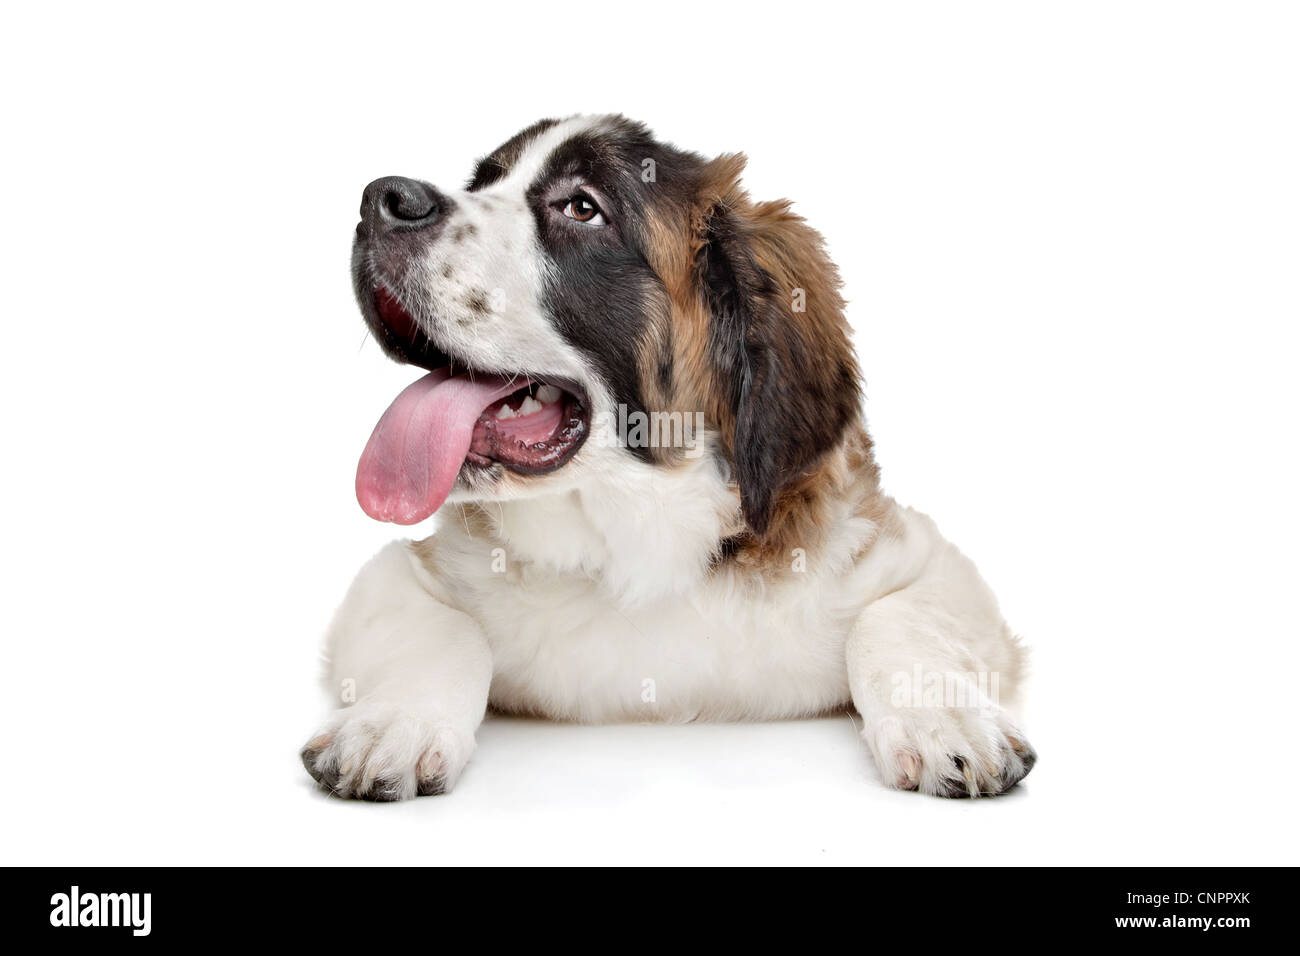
593,594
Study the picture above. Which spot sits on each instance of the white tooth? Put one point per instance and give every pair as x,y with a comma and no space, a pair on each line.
505,411
548,394
530,405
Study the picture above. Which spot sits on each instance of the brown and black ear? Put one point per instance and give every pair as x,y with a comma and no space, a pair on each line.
778,341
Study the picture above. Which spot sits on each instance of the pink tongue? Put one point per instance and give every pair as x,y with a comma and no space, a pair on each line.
415,453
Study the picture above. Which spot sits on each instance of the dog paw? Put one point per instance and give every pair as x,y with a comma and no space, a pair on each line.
381,752
950,752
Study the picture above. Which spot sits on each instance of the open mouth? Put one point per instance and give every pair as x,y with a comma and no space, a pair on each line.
458,417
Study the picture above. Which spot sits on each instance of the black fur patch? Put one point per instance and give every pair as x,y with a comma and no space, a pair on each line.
604,294
498,163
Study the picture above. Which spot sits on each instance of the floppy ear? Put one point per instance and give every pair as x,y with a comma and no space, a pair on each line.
778,342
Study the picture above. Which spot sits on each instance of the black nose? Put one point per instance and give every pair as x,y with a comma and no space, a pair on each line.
397,203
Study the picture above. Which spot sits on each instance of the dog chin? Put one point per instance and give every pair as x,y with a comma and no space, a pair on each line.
479,483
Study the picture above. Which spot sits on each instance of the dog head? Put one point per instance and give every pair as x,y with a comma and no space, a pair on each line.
588,277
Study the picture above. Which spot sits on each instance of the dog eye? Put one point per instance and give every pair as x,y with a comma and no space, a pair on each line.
581,209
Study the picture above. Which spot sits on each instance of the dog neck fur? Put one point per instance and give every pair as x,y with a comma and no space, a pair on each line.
643,532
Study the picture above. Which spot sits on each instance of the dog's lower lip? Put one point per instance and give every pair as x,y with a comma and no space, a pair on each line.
494,445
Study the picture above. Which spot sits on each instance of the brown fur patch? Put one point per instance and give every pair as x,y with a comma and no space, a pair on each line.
846,476
765,354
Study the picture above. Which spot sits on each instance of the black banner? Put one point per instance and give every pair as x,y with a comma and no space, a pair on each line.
334,905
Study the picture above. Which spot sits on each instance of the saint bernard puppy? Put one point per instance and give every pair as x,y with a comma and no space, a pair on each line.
641,425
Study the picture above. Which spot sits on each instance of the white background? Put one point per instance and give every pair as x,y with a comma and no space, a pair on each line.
1070,241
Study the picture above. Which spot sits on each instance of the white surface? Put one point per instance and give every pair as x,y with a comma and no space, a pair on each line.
1070,244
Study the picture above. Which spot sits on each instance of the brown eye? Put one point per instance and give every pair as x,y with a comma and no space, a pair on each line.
582,209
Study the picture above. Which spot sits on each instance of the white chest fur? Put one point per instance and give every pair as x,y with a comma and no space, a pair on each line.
597,611
567,650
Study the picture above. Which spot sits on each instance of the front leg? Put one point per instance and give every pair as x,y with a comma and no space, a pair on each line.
413,673
928,666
